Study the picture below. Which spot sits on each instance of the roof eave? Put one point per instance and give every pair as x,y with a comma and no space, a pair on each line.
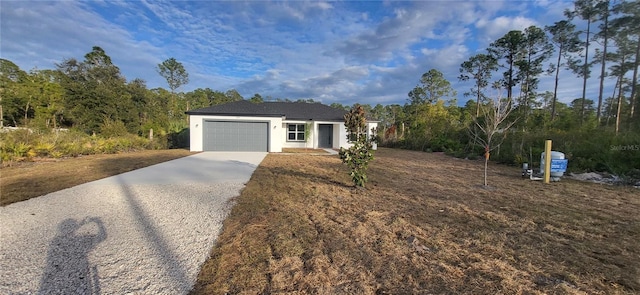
232,114
313,119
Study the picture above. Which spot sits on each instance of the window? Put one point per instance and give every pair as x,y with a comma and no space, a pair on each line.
353,137
295,132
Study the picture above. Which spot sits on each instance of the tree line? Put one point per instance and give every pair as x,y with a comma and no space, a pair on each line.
597,134
92,95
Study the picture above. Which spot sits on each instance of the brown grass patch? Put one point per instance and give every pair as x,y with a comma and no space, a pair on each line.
25,180
303,151
424,225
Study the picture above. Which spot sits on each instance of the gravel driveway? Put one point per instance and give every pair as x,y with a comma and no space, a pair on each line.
143,232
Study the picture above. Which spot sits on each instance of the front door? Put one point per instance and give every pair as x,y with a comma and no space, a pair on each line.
325,135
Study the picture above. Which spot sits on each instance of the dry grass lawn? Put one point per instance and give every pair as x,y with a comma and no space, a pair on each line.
25,180
303,151
424,225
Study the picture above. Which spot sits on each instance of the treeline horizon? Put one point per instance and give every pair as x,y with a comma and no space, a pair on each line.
93,97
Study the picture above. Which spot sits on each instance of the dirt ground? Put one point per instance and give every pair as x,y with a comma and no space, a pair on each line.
25,180
303,151
424,225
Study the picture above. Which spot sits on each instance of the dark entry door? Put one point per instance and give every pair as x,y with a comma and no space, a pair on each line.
325,135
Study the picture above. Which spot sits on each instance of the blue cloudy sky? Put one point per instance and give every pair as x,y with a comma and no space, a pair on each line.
344,51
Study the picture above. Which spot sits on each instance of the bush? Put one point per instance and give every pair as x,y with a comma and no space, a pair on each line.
179,139
158,143
111,128
70,149
586,150
11,150
44,149
24,144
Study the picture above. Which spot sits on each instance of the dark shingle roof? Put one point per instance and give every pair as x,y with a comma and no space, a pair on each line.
290,110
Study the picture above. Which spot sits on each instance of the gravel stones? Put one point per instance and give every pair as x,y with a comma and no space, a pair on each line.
143,232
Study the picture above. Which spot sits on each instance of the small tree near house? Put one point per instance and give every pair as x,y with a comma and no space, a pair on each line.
490,129
358,156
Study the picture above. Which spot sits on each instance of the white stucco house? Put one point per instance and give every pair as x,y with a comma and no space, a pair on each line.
268,127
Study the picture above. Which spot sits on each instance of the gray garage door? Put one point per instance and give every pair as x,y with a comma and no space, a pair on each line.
235,136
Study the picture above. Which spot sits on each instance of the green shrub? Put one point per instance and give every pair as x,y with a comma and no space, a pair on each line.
44,149
104,146
113,128
70,149
158,130
21,149
159,142
56,154
15,151
24,144
587,150
179,139
358,156
5,156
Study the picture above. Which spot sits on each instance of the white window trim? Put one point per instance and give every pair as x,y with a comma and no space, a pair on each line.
297,132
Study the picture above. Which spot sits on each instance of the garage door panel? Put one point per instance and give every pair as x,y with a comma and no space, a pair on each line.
235,136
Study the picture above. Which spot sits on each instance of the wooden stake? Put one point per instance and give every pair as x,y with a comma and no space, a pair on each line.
547,161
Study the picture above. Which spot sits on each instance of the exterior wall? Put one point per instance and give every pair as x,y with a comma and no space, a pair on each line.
196,130
310,143
313,142
372,125
277,132
343,135
339,136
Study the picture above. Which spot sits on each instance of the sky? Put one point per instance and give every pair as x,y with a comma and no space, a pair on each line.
345,51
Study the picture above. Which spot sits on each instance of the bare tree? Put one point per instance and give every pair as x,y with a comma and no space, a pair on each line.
490,129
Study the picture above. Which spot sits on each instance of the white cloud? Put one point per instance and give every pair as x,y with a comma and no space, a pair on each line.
449,57
322,5
395,33
493,29
60,30
334,51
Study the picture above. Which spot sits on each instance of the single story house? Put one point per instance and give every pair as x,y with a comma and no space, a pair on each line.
268,127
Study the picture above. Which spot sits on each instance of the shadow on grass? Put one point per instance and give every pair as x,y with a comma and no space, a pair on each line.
326,179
